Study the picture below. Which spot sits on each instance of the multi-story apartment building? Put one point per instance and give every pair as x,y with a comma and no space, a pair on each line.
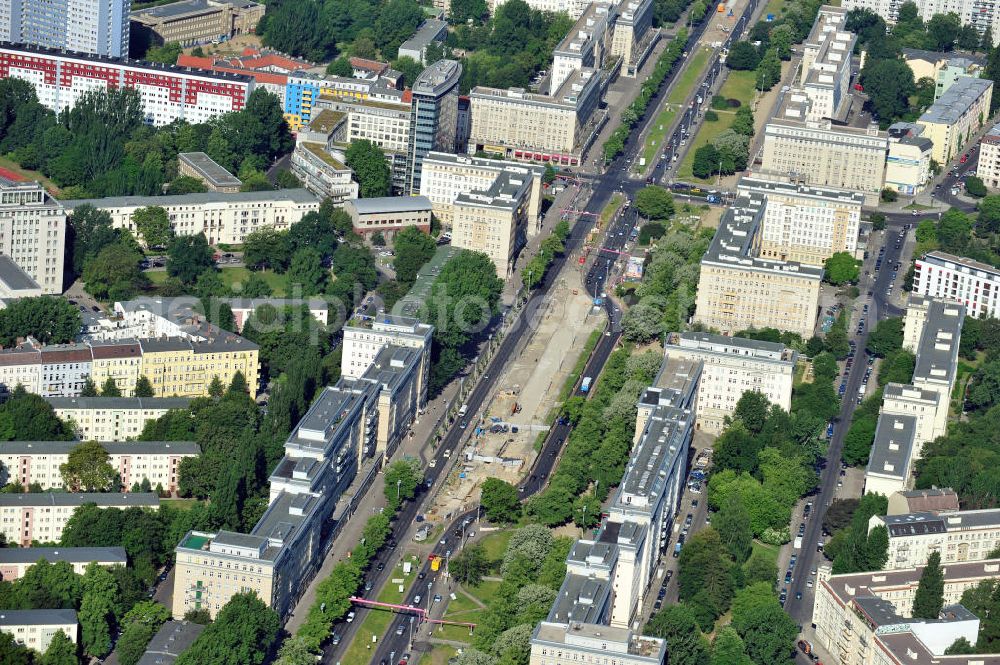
975,285
445,176
968,535
277,556
559,642
738,289
169,93
33,232
981,15
42,516
908,164
956,116
243,308
434,120
890,463
36,628
922,404
223,217
805,223
389,215
865,618
527,126
202,167
323,172
822,153
731,367
494,221
38,462
931,500
586,45
941,67
572,7
431,31
607,578
633,37
914,414
940,323
825,75
364,340
988,168
99,27
176,367
193,22
15,561
112,418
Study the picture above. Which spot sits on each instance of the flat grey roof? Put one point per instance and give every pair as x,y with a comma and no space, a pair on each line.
108,499
581,598
118,402
37,617
937,352
429,31
438,78
14,277
173,639
197,199
958,262
733,243
721,345
113,447
209,169
748,184
386,204
69,554
893,445
956,100
184,7
665,439
391,364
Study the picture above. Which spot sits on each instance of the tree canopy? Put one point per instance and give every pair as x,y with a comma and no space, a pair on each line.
48,319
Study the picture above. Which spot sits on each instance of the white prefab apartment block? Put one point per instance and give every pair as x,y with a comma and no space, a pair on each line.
38,462
805,223
36,628
968,535
981,15
99,27
826,64
976,285
222,217
112,418
33,232
731,367
15,561
169,93
42,516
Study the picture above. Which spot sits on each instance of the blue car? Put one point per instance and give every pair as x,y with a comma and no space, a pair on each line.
843,388
829,431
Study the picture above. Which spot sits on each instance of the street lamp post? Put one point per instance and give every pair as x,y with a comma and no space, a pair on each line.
398,483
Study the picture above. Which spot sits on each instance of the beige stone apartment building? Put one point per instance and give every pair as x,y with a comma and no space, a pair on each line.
33,232
446,176
730,367
191,22
956,116
738,289
528,126
494,221
15,561
805,223
821,153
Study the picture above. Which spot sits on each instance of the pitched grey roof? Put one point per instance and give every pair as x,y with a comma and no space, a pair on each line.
110,500
37,617
386,204
118,402
113,447
200,198
10,555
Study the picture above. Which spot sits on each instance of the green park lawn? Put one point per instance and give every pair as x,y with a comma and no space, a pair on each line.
231,276
495,544
739,85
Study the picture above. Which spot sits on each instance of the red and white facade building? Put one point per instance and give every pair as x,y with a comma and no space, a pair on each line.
976,285
168,92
